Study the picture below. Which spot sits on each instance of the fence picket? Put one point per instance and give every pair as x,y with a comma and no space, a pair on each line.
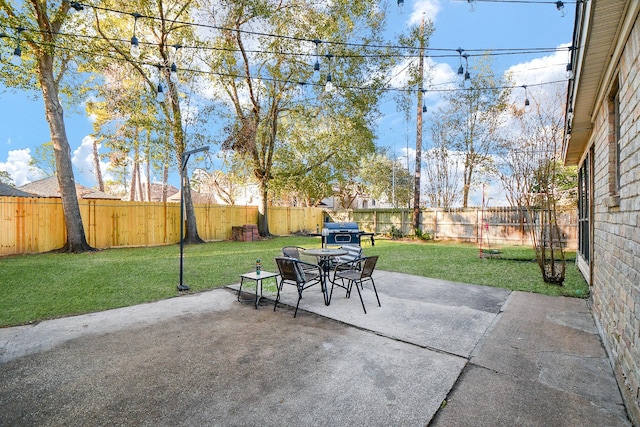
35,225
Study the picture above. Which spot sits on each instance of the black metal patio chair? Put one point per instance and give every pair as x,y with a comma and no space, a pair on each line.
298,273
297,252
355,272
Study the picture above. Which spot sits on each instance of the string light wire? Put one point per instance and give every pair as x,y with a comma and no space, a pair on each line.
320,85
446,52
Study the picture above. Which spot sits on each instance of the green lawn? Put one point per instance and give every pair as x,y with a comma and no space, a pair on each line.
43,286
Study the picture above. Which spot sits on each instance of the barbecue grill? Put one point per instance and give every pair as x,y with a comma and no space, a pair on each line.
341,233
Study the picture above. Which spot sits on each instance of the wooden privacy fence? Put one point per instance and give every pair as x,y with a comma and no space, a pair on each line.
34,225
510,226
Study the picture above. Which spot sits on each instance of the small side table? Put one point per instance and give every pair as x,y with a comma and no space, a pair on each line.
258,278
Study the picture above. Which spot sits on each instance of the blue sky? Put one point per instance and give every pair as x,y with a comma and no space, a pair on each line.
492,25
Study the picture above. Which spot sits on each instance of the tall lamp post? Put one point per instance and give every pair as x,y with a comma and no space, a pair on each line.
185,158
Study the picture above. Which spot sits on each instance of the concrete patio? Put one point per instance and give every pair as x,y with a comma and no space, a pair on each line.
435,353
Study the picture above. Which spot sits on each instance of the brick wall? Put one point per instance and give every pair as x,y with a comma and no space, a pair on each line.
616,233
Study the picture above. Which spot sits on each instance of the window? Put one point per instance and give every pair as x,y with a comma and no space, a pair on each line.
584,210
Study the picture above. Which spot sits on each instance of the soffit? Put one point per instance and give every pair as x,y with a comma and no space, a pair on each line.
602,24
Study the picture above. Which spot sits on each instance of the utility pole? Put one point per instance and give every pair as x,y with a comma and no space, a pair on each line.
417,184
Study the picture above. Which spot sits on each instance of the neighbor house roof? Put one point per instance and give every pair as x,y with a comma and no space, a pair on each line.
7,190
601,30
48,187
156,191
197,198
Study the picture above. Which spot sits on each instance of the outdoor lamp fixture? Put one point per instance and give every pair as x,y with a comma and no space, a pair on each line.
316,66
329,87
560,7
526,96
185,158
135,47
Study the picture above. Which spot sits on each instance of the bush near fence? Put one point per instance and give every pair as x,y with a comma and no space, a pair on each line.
35,225
489,226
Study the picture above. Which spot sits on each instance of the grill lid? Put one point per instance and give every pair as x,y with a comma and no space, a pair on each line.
338,227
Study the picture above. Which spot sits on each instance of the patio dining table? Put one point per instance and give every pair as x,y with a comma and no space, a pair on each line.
324,256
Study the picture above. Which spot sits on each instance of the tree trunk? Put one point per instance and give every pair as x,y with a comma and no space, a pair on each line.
165,180
134,178
417,179
148,166
76,239
96,166
263,220
191,235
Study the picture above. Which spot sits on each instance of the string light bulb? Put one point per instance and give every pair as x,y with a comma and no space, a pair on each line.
460,68
160,93
316,66
560,7
329,86
400,6
467,75
135,47
16,59
472,5
75,7
526,96
569,71
173,76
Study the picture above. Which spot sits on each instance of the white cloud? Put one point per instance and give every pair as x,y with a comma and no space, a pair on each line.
537,72
428,8
83,161
17,165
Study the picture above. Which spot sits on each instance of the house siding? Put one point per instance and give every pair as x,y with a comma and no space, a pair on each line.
616,230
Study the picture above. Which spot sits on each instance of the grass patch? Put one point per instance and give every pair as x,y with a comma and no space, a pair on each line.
44,286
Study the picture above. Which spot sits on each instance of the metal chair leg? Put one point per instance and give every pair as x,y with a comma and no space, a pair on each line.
359,294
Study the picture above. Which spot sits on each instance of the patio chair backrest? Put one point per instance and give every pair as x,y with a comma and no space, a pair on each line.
289,269
353,252
369,265
292,251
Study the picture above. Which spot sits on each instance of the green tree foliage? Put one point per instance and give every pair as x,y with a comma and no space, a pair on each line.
5,178
44,159
386,179
139,118
531,171
473,116
39,29
443,165
284,129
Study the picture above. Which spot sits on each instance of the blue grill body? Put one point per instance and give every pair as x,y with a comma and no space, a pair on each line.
341,233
